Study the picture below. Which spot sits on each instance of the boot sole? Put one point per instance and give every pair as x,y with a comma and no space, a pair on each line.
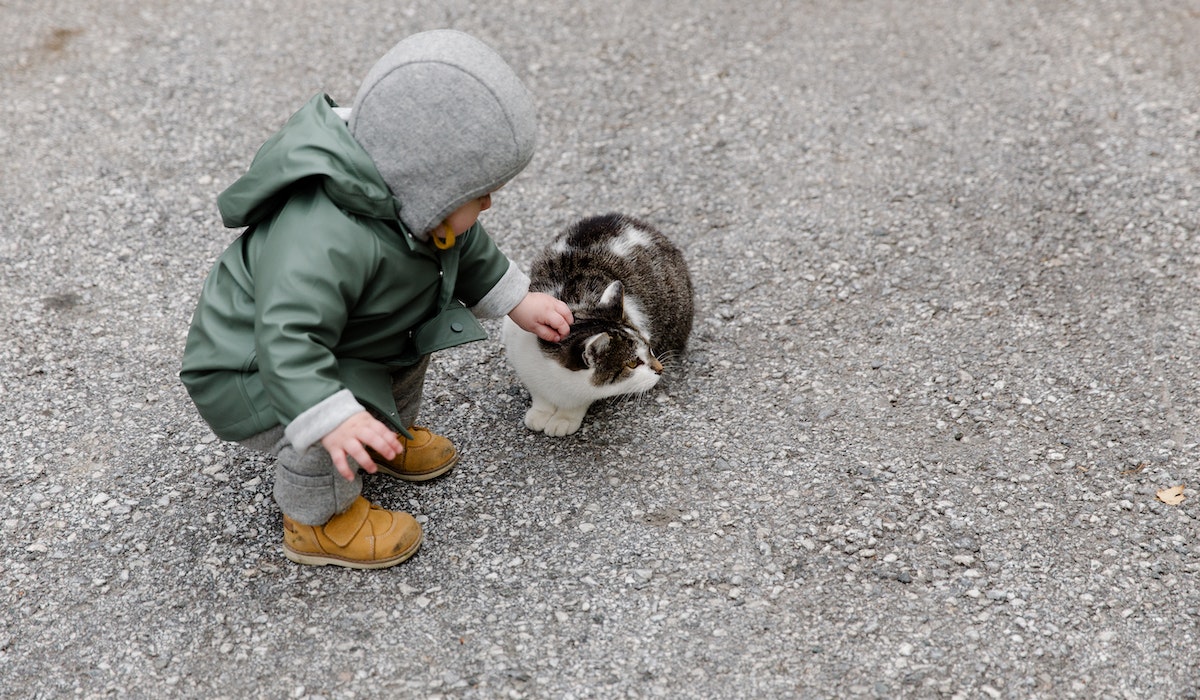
326,559
406,476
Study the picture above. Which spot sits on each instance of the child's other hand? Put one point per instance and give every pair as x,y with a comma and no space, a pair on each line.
353,436
544,316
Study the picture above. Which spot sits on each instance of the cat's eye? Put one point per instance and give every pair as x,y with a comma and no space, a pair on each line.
633,364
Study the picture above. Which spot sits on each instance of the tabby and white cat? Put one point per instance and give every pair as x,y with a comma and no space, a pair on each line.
630,293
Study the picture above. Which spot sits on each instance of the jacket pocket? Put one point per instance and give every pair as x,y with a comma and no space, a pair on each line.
453,326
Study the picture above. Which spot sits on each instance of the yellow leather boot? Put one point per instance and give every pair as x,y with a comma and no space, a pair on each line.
425,457
365,536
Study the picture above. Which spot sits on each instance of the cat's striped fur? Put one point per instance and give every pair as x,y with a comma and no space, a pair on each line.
628,287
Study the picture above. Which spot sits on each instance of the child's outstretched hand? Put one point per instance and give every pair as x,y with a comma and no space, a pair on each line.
544,316
353,436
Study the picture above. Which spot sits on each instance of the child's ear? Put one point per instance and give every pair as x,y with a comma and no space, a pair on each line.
612,301
594,346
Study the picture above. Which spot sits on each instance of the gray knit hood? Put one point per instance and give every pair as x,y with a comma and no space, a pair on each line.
445,120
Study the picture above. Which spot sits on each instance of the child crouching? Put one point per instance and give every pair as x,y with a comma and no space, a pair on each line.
361,255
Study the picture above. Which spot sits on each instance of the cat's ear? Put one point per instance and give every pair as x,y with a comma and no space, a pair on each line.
595,346
612,301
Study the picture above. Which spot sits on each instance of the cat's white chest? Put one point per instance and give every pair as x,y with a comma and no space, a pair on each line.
544,377
560,396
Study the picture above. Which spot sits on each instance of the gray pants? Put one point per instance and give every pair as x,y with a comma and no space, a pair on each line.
308,488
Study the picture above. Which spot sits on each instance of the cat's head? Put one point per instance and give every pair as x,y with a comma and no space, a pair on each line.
608,347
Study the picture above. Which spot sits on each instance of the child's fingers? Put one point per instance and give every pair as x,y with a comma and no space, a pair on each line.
384,442
339,463
548,334
363,458
559,318
390,440
565,312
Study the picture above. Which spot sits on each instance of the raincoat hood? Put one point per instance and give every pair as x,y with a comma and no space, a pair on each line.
315,142
445,120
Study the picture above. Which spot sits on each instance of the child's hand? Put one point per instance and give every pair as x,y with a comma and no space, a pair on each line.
544,316
353,436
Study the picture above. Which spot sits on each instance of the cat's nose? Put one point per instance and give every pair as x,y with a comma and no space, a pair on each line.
656,365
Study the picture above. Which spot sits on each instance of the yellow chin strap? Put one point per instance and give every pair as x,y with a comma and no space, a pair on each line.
444,243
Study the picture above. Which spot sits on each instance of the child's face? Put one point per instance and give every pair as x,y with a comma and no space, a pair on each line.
465,216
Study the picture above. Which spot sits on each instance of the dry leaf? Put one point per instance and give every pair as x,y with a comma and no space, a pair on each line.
1172,496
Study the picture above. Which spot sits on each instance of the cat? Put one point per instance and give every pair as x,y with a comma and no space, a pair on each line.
629,290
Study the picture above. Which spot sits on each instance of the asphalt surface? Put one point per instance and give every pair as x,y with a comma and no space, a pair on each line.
945,358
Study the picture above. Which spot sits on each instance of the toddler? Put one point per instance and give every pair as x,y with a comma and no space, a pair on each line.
362,255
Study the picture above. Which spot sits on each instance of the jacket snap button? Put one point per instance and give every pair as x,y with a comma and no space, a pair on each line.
456,327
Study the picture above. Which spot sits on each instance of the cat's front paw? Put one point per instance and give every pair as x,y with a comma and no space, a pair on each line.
563,423
537,417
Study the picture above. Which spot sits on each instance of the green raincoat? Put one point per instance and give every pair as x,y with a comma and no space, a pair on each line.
326,290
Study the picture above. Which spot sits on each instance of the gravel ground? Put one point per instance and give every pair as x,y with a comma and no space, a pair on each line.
945,357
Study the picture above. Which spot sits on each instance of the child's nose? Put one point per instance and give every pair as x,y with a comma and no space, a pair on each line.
485,202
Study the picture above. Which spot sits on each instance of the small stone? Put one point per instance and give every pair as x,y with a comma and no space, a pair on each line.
586,527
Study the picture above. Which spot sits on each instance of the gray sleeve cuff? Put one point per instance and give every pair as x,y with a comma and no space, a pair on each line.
507,293
320,420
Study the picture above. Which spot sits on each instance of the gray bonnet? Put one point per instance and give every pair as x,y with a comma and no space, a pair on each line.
445,120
